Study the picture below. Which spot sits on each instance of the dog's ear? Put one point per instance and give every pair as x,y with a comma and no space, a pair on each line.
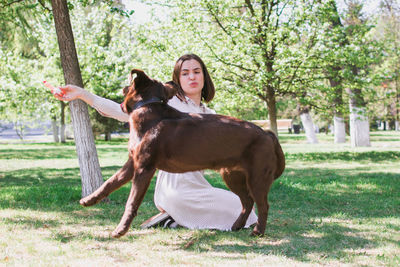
127,105
171,89
141,79
125,90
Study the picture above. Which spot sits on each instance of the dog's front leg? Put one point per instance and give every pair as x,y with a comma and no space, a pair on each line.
121,177
140,183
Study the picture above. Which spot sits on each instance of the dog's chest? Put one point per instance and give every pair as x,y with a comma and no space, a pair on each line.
134,138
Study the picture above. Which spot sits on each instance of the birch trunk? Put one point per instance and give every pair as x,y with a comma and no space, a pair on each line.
396,126
339,128
62,133
359,123
88,161
359,127
309,128
54,127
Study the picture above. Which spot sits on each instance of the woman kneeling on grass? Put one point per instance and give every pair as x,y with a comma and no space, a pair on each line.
184,199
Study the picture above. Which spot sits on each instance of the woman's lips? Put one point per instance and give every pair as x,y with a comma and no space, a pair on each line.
193,84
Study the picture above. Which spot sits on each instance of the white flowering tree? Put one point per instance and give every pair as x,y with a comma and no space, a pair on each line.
248,45
345,57
388,32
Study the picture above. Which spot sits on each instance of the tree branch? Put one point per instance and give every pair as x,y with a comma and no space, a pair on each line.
219,22
250,7
42,3
11,3
226,62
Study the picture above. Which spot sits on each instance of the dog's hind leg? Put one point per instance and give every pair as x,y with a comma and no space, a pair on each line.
121,177
259,189
236,181
140,183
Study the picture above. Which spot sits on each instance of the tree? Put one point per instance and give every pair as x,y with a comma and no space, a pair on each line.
360,57
388,31
84,140
347,55
18,66
334,39
104,58
249,41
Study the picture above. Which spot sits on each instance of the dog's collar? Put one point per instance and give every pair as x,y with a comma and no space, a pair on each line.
141,103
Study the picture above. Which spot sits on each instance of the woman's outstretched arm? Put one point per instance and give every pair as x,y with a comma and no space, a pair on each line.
104,106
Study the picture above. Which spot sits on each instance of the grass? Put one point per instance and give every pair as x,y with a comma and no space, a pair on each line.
334,205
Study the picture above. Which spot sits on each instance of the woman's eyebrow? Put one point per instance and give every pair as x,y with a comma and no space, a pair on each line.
193,69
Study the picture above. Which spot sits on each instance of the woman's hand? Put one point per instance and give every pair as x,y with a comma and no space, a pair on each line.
69,93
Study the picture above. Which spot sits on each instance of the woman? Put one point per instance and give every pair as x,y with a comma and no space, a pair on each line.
184,199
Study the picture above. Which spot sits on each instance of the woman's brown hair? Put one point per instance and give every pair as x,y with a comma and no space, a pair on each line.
208,91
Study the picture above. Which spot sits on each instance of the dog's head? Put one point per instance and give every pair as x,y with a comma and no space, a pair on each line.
142,88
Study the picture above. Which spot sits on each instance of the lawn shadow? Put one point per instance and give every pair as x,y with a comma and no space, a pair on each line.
30,222
303,201
310,215
59,190
52,152
331,241
38,153
370,156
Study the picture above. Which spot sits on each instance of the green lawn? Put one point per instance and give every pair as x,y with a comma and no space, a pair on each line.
334,205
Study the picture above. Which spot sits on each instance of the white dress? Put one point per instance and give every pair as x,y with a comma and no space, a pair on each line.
188,197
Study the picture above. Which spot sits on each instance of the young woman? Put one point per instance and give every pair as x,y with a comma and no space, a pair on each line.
184,199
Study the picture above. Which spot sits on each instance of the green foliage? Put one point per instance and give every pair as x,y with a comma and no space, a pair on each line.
293,52
103,57
343,56
31,56
387,32
27,58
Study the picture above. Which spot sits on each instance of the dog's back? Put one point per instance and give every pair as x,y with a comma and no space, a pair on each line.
190,142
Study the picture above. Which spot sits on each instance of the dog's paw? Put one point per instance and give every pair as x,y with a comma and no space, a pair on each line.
237,226
87,201
256,233
118,233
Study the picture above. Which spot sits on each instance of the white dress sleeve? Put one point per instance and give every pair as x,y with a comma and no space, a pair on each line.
109,109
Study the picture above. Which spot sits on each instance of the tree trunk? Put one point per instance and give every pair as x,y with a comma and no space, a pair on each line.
84,140
338,120
359,127
271,104
359,123
308,125
19,130
107,136
62,122
55,130
339,127
336,81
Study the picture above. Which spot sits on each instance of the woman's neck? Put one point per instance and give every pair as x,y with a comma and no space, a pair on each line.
195,98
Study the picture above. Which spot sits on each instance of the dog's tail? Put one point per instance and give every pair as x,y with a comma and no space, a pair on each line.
279,154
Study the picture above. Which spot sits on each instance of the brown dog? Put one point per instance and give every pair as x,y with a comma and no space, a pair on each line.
248,158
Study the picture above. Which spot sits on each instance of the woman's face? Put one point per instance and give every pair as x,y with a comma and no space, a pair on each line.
191,78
